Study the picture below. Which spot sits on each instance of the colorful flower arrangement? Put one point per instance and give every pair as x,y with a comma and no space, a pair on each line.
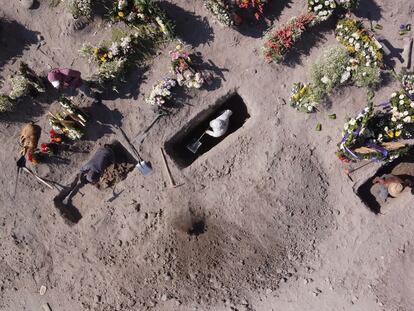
354,130
138,13
280,41
122,48
220,10
80,8
339,66
74,112
182,69
161,92
114,58
333,68
378,135
360,44
407,81
69,122
323,9
230,12
25,82
303,98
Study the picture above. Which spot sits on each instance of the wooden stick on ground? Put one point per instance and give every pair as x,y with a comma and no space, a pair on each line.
172,183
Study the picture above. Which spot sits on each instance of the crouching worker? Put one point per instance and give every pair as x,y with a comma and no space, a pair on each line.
390,186
69,79
220,125
94,168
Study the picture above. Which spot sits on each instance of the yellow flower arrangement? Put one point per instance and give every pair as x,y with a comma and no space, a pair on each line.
393,134
104,57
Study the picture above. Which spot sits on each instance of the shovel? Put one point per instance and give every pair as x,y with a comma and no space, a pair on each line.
21,162
194,146
76,187
143,166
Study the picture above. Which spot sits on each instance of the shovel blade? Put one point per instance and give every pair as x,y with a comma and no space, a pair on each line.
194,146
144,167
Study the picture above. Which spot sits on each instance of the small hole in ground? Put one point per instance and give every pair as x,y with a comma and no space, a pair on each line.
198,227
402,167
177,146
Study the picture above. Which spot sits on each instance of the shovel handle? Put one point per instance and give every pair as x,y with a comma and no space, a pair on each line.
37,177
201,136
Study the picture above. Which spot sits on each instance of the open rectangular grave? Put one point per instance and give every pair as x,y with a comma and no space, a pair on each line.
177,146
124,163
368,191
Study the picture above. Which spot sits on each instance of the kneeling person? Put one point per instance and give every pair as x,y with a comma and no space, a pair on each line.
220,124
95,167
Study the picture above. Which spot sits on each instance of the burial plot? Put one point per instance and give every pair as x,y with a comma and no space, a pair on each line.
402,168
176,147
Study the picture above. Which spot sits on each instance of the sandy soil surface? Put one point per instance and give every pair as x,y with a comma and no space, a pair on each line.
264,221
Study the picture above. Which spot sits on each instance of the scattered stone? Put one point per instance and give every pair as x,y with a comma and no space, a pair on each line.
42,290
164,297
97,299
316,292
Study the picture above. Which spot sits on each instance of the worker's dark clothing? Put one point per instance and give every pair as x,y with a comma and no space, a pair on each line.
94,168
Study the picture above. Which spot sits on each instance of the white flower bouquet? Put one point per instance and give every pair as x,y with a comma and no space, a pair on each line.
25,82
80,8
161,92
352,34
220,11
407,81
323,9
402,113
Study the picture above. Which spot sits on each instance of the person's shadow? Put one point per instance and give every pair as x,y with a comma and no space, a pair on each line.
394,53
191,28
100,120
14,39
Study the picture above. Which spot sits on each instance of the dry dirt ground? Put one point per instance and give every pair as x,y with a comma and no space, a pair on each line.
266,220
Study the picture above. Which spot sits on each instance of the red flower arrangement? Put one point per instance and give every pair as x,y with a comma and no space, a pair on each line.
258,5
279,42
342,158
49,148
34,157
55,137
